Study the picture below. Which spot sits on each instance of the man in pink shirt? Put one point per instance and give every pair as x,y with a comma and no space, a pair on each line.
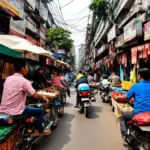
14,95
56,80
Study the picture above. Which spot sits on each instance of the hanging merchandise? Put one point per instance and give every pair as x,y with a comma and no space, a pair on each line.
140,51
124,60
145,54
133,75
147,46
121,73
134,55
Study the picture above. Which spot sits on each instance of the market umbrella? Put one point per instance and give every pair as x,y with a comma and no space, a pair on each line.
22,45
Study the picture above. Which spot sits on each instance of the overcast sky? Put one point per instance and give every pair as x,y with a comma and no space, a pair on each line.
76,14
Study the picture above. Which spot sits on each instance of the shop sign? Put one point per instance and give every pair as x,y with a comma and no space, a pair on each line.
13,7
43,11
31,39
112,34
32,3
147,46
17,27
102,49
32,56
132,30
31,25
119,41
134,52
147,31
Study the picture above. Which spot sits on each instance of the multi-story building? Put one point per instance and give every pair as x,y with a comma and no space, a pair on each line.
28,19
81,56
121,29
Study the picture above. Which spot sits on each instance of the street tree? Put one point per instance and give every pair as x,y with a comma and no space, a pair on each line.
60,37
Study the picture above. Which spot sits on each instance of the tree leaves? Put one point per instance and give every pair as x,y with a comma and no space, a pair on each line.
61,37
100,7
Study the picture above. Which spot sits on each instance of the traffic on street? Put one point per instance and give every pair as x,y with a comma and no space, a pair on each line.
75,75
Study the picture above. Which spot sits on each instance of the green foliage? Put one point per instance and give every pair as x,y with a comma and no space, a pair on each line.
60,37
100,7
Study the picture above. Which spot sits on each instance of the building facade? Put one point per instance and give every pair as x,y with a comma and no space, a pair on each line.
27,19
120,34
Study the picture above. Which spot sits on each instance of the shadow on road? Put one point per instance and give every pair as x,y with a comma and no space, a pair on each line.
93,112
59,137
67,104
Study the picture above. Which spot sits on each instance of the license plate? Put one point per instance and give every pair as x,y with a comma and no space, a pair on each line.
84,99
86,104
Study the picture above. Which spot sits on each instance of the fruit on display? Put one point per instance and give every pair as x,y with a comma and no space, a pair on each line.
119,97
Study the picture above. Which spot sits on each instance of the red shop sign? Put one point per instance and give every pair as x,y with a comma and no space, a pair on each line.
134,55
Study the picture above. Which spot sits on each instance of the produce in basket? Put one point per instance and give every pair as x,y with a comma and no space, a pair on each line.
119,97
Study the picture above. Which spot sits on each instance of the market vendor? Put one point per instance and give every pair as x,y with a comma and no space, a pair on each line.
141,94
15,90
115,80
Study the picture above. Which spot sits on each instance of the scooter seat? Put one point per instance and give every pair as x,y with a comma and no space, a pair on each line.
6,120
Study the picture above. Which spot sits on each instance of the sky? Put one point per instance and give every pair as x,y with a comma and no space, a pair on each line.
76,15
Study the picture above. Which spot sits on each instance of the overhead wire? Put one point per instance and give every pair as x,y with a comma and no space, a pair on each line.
67,4
61,12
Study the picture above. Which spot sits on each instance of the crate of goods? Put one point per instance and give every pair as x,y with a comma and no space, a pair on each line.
48,94
126,85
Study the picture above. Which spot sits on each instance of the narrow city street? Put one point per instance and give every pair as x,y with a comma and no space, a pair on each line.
75,132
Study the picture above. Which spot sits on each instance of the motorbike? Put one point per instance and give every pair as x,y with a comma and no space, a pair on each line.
17,132
94,91
139,137
84,94
105,93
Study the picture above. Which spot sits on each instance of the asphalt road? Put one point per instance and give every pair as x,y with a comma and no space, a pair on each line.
75,132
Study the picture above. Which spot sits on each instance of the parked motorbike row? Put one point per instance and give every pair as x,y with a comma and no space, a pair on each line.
17,132
138,137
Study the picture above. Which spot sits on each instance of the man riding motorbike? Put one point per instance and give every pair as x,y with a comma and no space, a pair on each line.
80,79
115,80
64,82
14,95
141,94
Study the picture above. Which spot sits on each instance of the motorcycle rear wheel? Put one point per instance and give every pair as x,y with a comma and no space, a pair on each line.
86,111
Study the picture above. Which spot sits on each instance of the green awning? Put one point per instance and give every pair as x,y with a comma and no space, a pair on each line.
10,52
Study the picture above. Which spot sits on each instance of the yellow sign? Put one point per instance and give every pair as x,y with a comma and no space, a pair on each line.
10,8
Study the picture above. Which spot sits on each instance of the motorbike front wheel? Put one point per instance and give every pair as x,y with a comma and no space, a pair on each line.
61,110
54,116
